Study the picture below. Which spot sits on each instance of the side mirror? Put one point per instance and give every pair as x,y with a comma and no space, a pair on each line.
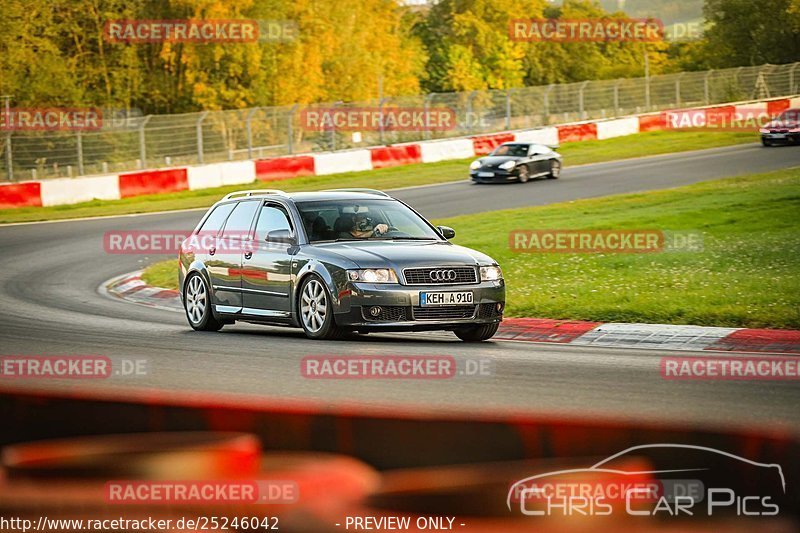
280,235
447,232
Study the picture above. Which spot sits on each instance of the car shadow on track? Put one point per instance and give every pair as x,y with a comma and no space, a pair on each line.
288,333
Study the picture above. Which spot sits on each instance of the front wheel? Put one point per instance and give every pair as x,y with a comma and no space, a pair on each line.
766,142
555,170
316,310
477,333
524,174
197,303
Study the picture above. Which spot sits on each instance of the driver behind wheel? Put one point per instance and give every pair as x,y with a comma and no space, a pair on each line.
361,227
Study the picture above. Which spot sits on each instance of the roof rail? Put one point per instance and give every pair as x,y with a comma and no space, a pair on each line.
365,191
253,192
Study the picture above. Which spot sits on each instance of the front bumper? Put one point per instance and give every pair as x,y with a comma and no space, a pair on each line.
498,175
400,308
778,138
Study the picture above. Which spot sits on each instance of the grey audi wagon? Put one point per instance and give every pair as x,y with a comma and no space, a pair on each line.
333,262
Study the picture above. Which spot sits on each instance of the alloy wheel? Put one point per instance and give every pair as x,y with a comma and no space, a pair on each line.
313,305
196,299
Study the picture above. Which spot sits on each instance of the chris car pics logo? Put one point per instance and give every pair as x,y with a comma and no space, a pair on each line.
698,481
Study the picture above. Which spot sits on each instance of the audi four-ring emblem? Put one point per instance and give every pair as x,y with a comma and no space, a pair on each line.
443,275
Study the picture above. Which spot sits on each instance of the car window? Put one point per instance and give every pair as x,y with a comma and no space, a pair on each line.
512,150
216,219
238,224
358,220
271,218
538,149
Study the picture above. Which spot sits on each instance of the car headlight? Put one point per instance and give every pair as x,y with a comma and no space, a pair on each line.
763,130
508,165
491,273
475,165
373,275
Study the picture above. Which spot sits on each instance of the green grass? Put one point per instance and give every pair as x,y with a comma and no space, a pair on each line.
578,153
162,274
748,274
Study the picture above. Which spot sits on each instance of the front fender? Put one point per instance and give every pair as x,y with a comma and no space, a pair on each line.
335,279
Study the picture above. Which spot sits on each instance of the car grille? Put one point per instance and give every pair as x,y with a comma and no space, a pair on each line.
488,311
422,276
389,313
441,313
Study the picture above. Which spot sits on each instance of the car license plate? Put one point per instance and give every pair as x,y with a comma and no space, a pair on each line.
427,299
485,174
778,136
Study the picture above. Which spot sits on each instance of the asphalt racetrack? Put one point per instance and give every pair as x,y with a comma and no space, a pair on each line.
50,305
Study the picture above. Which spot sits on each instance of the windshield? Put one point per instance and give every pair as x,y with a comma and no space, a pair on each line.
791,115
355,220
513,150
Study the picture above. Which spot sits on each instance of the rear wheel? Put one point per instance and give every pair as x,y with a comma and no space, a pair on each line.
316,311
555,170
197,303
524,174
477,333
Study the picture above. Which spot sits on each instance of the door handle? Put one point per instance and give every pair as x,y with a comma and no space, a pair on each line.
212,250
248,254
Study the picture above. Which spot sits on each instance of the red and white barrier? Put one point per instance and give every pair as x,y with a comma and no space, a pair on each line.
571,133
153,182
435,151
73,191
652,122
23,194
203,177
221,174
129,184
484,144
617,128
281,168
237,172
396,155
336,162
545,136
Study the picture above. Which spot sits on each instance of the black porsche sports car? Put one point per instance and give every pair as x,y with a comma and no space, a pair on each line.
516,161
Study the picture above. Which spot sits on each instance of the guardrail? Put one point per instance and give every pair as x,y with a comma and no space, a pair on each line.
127,142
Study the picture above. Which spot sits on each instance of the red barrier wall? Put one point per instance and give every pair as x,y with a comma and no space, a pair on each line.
484,144
722,116
153,182
284,167
652,122
21,195
577,132
777,107
392,156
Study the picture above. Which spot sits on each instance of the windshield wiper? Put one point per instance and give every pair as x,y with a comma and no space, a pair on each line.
412,238
341,239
